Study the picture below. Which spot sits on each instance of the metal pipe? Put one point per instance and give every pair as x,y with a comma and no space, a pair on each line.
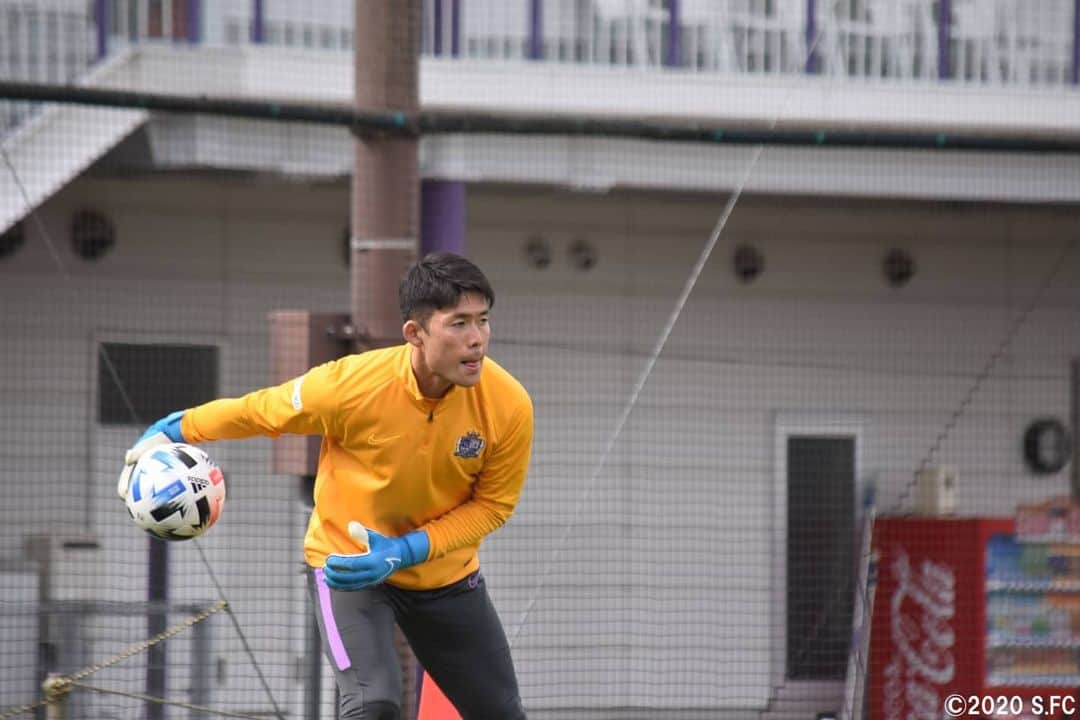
536,29
194,21
258,22
944,39
674,48
437,27
101,19
412,124
442,216
157,595
1076,43
455,28
199,693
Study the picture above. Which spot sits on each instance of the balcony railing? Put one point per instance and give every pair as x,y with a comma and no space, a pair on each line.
1017,43
1005,42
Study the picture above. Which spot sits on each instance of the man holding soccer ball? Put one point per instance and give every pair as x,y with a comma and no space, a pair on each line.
425,450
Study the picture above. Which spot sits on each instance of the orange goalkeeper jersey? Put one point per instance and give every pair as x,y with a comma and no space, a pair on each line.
392,458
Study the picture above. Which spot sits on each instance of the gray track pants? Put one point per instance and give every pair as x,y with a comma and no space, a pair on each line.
454,631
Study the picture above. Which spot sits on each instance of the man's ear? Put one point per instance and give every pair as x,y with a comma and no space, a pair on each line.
411,332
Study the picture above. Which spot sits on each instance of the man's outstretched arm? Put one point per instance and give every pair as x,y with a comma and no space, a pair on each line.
304,406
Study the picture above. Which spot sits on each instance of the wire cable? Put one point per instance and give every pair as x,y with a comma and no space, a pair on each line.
650,363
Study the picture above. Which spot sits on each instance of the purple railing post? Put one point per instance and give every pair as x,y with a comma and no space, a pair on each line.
536,29
437,28
101,16
194,21
811,37
674,35
258,22
442,216
1076,43
455,28
944,39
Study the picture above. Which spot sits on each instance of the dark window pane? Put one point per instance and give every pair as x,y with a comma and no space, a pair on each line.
820,556
138,384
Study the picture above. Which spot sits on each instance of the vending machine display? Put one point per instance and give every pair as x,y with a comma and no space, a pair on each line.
965,608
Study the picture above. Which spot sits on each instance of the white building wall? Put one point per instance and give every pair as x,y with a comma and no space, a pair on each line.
193,263
682,520
638,571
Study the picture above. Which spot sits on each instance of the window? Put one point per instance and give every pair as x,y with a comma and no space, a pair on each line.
139,383
820,555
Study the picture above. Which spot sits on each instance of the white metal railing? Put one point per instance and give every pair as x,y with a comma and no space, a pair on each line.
1005,42
48,41
324,25
131,22
45,40
1019,43
880,39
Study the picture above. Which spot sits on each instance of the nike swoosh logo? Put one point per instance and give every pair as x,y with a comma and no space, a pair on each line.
393,562
372,440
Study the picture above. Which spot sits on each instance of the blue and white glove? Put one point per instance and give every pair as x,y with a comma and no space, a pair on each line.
164,431
381,557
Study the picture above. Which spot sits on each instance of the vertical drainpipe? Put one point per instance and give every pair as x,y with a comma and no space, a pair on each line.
258,22
1076,43
157,596
811,36
437,28
944,39
455,28
442,216
536,29
101,16
194,21
674,47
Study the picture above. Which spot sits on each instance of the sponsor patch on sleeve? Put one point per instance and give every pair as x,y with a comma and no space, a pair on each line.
297,400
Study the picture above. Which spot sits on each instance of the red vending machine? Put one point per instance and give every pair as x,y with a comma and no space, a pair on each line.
964,609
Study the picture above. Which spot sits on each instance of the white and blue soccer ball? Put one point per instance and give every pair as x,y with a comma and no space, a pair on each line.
176,492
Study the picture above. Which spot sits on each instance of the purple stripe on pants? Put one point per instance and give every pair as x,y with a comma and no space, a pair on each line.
333,637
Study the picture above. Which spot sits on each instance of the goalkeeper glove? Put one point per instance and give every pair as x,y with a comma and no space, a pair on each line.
164,431
380,557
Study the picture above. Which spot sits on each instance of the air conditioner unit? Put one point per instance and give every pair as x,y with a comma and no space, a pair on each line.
935,491
69,574
19,626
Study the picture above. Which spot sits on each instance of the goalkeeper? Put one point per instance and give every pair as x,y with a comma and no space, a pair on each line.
425,450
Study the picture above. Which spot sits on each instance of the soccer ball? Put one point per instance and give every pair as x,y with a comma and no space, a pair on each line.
176,492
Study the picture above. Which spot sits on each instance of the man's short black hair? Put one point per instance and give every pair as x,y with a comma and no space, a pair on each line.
437,281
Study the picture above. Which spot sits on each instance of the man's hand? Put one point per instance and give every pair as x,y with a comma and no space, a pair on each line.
164,431
380,557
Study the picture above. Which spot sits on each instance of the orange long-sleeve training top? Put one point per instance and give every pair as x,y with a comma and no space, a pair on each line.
392,458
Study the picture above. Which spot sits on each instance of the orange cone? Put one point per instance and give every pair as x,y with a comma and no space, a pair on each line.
433,704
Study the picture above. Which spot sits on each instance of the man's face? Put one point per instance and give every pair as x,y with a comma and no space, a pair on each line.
450,350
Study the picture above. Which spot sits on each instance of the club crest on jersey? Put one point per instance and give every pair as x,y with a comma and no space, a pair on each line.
469,445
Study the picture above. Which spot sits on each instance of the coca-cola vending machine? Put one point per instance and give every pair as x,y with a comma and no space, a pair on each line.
968,622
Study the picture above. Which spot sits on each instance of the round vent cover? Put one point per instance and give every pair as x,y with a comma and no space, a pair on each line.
92,234
748,263
12,240
899,267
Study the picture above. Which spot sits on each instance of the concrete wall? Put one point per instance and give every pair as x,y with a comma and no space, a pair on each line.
685,517
200,262
641,568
